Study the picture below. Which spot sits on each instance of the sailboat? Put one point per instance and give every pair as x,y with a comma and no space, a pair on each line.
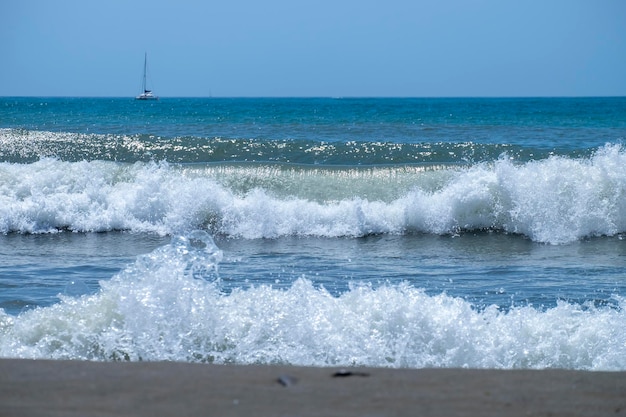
147,94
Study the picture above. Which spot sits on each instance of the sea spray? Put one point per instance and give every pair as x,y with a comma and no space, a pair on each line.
146,300
560,200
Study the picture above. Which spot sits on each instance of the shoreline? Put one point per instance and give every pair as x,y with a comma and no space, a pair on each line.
89,389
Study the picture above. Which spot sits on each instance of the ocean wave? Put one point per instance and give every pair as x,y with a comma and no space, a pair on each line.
22,145
556,200
169,305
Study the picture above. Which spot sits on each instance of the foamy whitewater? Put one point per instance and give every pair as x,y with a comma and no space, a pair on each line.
482,233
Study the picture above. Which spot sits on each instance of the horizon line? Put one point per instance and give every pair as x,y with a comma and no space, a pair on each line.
323,97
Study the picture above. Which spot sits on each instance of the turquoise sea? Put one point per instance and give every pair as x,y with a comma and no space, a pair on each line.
447,232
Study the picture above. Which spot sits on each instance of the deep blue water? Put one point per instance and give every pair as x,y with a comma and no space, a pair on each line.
383,232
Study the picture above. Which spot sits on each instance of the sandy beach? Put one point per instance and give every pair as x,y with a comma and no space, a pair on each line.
89,389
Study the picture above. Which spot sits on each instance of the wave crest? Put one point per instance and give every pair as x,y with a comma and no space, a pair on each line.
556,200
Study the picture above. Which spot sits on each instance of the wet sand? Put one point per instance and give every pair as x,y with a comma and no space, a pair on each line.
88,389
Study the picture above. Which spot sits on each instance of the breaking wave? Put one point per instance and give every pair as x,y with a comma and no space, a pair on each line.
169,305
555,200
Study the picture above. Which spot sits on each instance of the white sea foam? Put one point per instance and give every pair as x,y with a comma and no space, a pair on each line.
556,200
169,305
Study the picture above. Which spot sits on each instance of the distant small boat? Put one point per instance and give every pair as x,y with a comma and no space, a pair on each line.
147,94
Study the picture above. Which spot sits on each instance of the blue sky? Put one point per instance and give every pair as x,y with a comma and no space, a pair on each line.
336,48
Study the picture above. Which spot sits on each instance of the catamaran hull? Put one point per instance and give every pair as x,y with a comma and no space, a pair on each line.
146,97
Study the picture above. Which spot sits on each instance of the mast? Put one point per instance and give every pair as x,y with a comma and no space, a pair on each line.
145,69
